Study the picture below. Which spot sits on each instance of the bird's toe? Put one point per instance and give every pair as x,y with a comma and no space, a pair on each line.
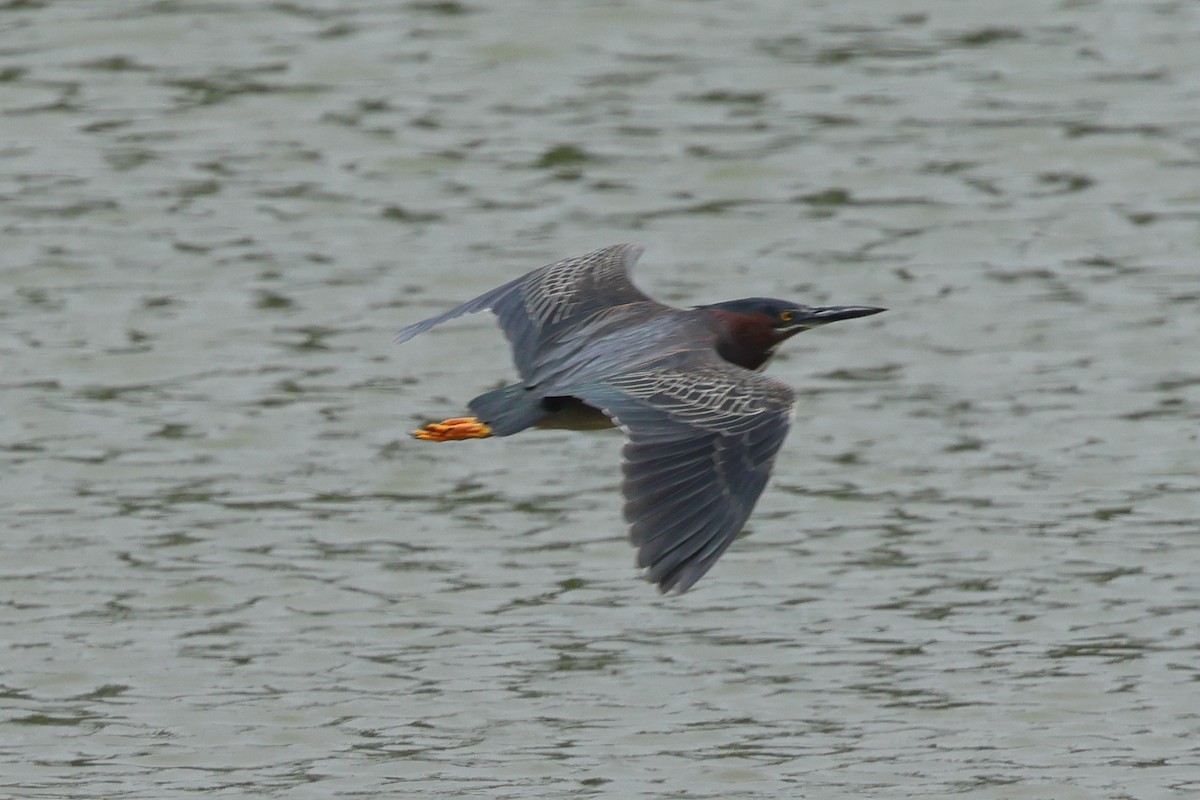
453,429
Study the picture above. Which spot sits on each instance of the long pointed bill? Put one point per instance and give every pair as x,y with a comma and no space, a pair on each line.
823,315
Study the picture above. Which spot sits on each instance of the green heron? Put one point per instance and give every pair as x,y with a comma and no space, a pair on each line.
702,424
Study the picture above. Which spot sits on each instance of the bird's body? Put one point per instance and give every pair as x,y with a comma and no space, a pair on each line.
703,425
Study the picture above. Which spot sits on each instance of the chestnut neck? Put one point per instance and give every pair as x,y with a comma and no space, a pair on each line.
748,340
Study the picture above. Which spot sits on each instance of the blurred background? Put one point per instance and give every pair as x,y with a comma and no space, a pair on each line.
226,569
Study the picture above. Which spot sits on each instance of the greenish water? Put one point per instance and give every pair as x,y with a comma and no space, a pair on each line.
225,569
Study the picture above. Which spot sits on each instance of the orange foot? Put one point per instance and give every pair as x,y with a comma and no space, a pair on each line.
454,429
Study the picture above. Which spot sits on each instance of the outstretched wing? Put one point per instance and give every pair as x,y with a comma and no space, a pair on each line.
537,308
703,434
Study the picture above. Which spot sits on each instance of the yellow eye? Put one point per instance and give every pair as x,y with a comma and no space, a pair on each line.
785,316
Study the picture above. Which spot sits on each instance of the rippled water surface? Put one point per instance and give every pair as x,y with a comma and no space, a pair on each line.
225,568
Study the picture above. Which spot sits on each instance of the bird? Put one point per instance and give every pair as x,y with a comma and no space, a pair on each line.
702,423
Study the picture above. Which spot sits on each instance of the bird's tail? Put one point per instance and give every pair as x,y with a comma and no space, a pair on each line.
509,409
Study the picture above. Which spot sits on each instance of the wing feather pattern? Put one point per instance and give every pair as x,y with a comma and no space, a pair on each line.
702,438
543,310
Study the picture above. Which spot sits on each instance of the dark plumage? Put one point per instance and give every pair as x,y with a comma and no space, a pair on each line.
703,426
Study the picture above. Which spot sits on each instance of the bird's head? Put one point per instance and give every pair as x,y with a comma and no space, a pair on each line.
753,326
785,318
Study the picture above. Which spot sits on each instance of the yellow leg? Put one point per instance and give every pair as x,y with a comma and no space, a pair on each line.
453,429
